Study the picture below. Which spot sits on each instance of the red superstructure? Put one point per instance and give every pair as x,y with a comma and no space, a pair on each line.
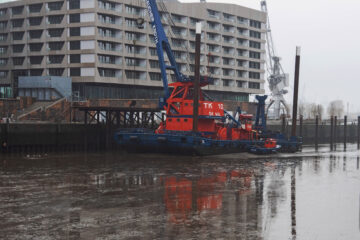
179,116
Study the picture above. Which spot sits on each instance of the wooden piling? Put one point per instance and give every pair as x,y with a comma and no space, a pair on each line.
345,131
331,132
301,126
283,118
358,133
316,132
335,132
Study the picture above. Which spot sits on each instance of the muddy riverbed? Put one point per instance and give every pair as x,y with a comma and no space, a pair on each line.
309,195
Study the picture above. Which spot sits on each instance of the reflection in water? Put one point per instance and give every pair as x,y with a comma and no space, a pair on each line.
116,196
293,202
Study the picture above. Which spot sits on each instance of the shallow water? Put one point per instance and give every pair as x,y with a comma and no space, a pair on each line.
310,195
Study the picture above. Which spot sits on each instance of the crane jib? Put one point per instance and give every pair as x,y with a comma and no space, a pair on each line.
152,20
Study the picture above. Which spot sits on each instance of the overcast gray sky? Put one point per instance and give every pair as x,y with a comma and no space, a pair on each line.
328,33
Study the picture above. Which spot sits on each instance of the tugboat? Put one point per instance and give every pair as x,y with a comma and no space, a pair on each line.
217,131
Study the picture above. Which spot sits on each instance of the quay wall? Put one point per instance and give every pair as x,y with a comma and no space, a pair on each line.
18,137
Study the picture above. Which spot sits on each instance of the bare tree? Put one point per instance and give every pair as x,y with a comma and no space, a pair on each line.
320,110
336,108
301,109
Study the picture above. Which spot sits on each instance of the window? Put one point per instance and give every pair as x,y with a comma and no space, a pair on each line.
241,74
3,12
17,10
35,8
74,31
107,5
154,64
254,55
226,83
227,72
55,32
107,32
74,4
254,85
18,35
75,58
36,72
254,75
135,10
255,44
108,18
16,23
107,72
35,21
135,36
3,74
155,76
75,72
55,59
74,18
255,34
74,45
36,59
3,37
3,50
135,49
255,65
18,61
242,20
240,84
55,46
35,34
213,14
56,71
3,24
3,61
255,24
229,17
18,48
132,74
107,59
55,19
133,62
108,46
153,52
55,6
35,47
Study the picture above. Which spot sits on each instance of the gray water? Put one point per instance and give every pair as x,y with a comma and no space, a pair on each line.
309,195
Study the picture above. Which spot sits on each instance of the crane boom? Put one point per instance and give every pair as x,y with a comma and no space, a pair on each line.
162,44
277,79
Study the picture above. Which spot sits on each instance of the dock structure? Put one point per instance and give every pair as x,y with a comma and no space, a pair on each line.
123,117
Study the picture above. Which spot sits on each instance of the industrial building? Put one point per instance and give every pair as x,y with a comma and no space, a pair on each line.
108,53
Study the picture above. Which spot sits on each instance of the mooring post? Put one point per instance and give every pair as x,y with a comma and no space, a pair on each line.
296,91
301,126
316,132
331,132
345,131
335,131
358,132
197,77
283,118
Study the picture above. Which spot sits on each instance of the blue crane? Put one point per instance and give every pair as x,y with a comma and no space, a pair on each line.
162,44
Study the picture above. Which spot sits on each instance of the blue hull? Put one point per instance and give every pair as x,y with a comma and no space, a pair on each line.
179,144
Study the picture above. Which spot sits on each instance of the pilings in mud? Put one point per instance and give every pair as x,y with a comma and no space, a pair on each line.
318,131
